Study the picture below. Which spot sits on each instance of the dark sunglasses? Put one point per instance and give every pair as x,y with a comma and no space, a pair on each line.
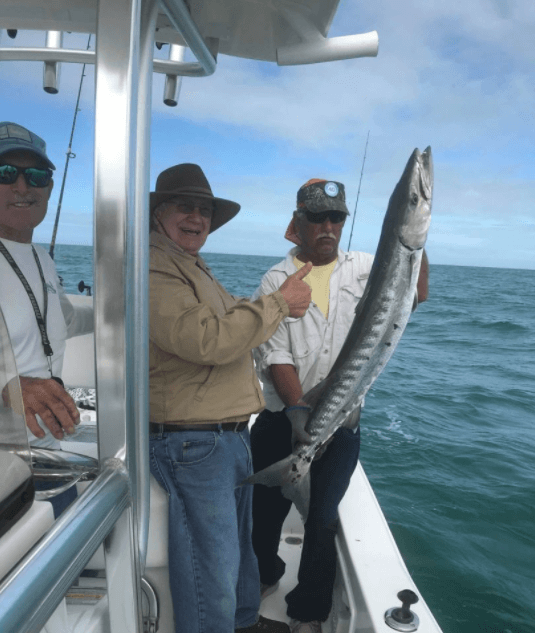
34,176
319,218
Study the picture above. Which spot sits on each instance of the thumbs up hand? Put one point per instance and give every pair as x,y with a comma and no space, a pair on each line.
296,292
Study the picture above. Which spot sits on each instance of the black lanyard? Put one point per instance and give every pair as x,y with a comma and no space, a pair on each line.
41,322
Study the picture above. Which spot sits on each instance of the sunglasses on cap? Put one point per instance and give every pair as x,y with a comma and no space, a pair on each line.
34,176
319,218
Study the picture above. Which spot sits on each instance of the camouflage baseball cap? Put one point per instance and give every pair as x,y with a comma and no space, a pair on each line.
318,195
14,137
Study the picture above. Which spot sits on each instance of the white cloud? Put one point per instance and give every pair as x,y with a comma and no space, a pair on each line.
456,75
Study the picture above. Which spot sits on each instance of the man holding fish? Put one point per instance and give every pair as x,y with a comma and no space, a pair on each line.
298,358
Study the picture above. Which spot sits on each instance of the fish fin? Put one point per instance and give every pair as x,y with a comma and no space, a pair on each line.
415,263
299,494
292,474
279,474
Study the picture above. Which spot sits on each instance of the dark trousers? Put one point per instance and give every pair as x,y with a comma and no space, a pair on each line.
330,476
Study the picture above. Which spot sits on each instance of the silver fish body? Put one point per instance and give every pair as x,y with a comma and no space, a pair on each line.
380,320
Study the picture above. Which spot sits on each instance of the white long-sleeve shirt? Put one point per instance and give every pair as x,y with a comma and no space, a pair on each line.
313,342
63,319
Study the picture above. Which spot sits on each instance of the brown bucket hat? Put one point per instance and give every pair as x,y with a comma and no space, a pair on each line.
188,179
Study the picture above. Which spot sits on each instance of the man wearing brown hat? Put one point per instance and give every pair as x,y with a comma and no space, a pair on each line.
203,389
297,357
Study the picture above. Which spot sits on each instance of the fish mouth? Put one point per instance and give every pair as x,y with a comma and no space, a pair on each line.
418,177
425,161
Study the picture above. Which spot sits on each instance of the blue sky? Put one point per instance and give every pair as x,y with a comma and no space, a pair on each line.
457,76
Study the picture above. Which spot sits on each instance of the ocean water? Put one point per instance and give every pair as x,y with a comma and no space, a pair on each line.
448,438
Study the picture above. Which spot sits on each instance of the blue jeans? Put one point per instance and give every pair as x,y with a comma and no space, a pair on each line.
213,571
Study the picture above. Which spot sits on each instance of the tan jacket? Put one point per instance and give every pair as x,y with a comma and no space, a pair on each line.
200,363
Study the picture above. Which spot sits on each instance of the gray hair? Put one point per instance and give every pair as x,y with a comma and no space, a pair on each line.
157,209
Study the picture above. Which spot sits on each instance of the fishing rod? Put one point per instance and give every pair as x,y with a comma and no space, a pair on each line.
358,192
70,155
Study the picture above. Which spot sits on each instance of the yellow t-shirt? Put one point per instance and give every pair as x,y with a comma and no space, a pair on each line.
319,279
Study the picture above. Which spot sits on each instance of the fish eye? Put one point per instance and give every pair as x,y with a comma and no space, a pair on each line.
414,198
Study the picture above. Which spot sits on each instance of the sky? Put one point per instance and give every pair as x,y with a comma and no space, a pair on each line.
456,75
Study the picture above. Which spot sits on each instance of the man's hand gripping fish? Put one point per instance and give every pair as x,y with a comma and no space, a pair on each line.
380,320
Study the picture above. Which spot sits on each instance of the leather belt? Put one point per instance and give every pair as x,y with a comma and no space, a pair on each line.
236,427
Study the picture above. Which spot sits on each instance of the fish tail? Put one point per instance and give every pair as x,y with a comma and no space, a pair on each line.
278,474
299,494
292,474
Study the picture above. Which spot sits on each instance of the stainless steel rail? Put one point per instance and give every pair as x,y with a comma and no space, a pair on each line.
124,43
75,56
179,16
138,284
37,54
33,590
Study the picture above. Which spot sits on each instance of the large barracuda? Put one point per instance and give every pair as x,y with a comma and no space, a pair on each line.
380,319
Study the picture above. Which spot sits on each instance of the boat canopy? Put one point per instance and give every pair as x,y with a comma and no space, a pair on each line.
284,32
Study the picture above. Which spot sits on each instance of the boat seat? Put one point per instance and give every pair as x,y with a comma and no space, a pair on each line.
76,373
158,530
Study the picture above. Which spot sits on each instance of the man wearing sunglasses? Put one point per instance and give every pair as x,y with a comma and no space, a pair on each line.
295,359
38,314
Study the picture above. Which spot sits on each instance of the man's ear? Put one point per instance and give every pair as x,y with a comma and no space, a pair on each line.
292,232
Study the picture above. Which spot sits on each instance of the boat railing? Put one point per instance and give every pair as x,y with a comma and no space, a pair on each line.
33,590
205,51
79,56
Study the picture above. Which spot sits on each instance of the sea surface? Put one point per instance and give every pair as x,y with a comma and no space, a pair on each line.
448,437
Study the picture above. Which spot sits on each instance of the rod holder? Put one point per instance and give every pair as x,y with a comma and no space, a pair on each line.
54,39
173,83
315,48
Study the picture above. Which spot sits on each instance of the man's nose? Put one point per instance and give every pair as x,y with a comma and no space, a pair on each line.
328,225
20,185
196,213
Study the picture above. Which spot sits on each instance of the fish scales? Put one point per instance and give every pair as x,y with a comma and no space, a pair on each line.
380,319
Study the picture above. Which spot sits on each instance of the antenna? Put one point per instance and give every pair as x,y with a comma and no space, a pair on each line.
70,155
358,192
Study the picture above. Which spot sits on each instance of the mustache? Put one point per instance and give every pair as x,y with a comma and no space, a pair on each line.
331,235
25,199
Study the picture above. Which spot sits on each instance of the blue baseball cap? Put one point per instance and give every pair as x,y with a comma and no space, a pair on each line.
14,137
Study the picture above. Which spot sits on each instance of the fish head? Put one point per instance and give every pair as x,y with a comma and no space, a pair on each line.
413,197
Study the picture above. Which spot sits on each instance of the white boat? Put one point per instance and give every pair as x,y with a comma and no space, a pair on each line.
102,566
